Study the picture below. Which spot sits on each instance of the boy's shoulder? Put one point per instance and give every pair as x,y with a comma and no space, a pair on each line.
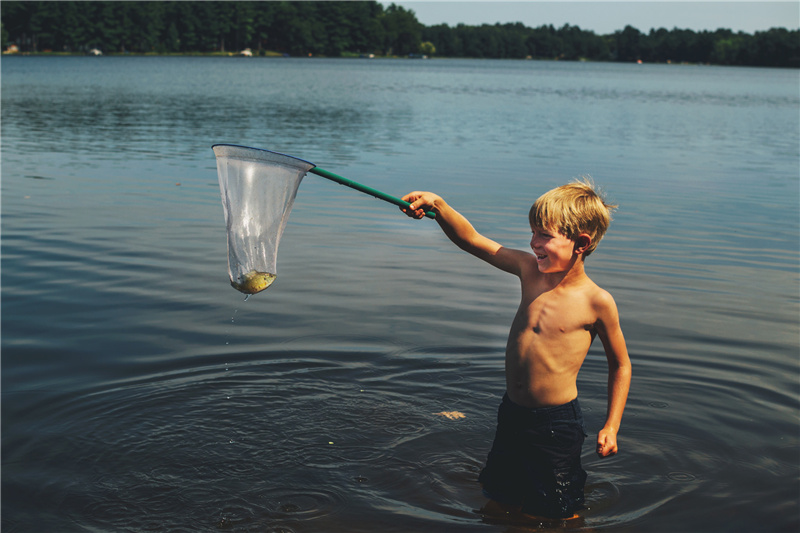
602,303
594,292
594,295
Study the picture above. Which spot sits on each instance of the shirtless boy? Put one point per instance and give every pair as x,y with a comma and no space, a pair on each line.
535,461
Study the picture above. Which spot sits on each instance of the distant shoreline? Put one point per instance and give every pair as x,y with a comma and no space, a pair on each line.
358,29
278,55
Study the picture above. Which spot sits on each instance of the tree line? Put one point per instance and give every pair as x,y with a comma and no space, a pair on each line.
365,27
776,47
296,28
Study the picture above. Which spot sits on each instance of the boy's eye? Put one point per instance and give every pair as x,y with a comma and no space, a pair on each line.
541,232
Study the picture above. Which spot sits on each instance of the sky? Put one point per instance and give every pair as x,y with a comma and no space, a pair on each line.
603,17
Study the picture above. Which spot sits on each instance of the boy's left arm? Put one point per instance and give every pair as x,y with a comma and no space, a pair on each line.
619,372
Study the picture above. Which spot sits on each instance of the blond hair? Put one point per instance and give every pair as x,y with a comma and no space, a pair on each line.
573,209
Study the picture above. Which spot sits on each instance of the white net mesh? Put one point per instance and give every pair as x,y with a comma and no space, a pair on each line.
258,188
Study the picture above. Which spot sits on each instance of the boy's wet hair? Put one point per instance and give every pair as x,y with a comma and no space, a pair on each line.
573,209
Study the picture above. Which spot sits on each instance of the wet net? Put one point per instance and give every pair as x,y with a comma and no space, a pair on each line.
258,189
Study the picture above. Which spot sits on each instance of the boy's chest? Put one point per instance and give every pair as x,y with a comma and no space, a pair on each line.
551,314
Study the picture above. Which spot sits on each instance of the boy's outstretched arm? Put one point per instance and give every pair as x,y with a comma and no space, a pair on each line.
459,230
619,372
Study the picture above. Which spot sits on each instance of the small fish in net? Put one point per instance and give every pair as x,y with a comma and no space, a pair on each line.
253,282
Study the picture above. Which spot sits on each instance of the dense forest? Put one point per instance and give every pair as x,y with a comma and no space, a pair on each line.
358,28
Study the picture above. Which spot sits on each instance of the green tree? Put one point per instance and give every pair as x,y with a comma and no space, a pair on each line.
243,24
628,44
403,33
776,47
727,51
444,39
513,41
544,43
427,48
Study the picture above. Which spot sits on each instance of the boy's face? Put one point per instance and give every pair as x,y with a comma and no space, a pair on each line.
554,251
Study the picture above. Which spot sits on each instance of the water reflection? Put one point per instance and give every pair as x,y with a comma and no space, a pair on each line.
140,392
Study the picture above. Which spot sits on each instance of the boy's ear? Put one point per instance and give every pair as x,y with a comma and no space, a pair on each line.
582,243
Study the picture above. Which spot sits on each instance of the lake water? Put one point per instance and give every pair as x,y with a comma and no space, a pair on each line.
140,392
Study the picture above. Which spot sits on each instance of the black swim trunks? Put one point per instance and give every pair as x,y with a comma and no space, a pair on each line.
535,460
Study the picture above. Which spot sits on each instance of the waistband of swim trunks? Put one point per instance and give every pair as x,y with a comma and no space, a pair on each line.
568,411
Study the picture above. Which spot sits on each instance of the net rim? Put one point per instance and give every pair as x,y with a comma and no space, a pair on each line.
290,158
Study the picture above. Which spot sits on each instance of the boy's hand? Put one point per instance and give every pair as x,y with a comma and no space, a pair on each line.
421,202
606,442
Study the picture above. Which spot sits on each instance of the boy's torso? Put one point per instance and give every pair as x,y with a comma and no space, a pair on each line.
549,338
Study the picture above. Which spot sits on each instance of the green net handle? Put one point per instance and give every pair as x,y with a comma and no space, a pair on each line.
363,188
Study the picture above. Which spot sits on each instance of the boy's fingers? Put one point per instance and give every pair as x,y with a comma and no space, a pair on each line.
605,449
412,212
410,197
603,446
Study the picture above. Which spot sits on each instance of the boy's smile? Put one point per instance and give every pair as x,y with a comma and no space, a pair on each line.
554,251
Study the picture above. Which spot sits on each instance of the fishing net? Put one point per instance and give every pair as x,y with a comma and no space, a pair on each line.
258,189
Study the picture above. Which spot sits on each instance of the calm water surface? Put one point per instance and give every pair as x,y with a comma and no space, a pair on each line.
140,392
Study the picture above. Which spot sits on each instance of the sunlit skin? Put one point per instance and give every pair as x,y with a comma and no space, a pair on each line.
560,313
